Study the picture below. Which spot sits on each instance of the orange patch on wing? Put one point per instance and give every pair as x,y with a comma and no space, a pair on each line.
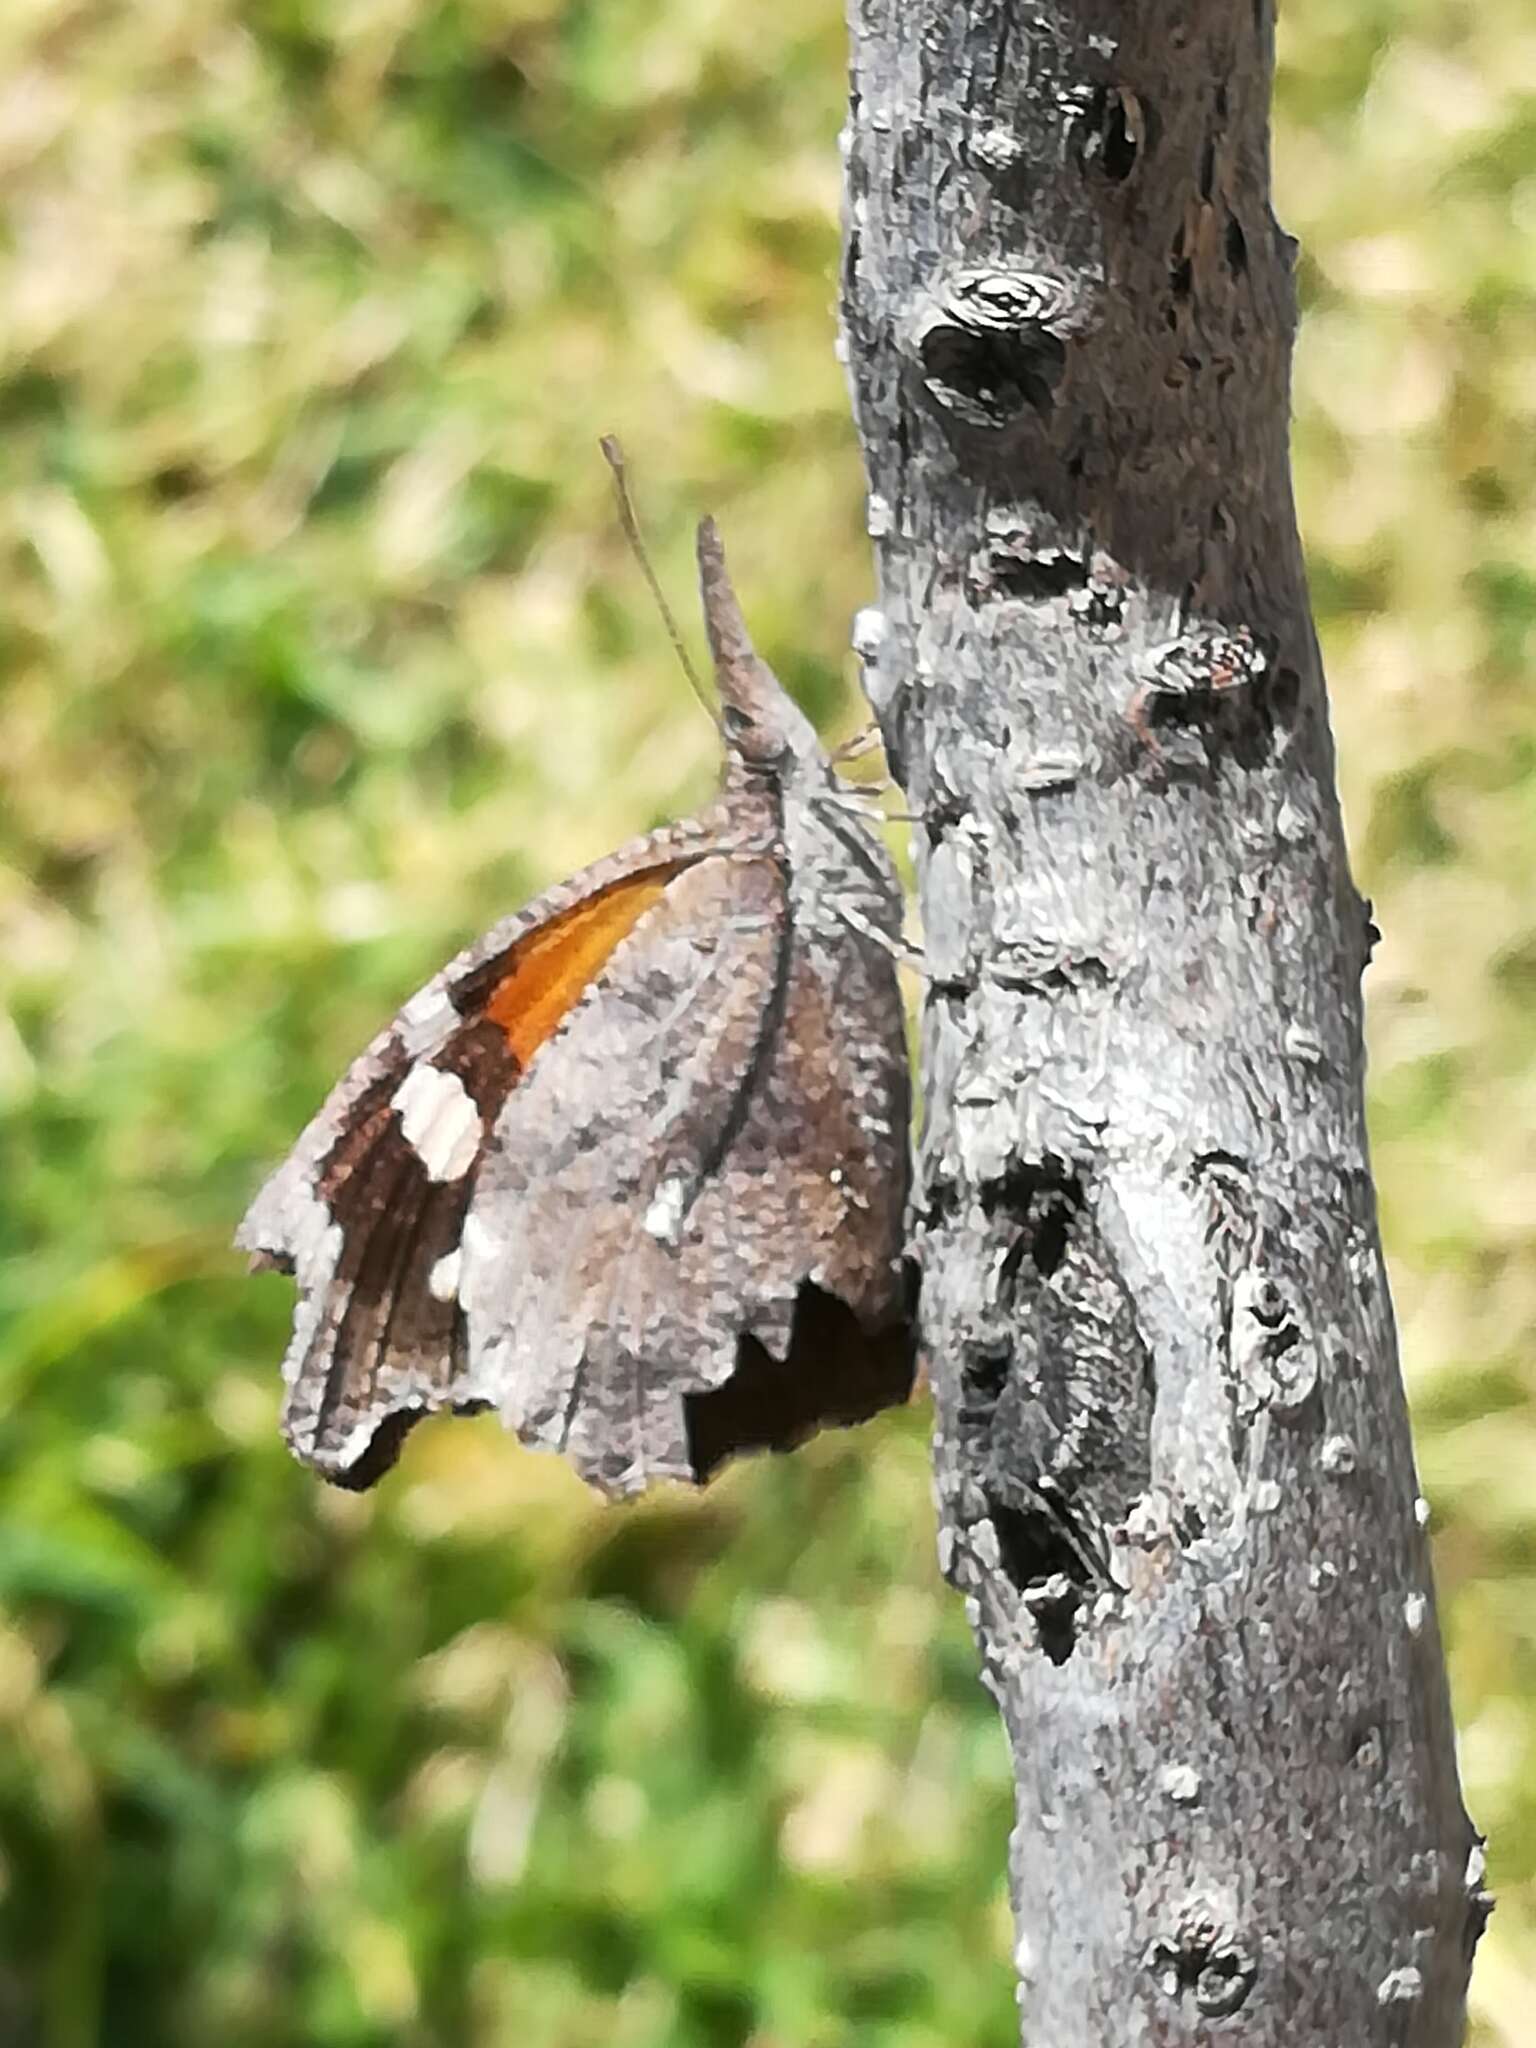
553,967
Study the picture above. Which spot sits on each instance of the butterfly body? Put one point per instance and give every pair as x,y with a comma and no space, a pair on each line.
631,1170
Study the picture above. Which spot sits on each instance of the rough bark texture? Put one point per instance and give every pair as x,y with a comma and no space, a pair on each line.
1174,1468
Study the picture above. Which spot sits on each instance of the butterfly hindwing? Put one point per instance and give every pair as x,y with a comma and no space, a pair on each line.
593,1308
815,1182
631,1248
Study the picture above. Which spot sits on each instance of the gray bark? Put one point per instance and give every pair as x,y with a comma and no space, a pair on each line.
1174,1470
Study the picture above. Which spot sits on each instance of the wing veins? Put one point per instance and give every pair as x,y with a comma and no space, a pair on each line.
343,1346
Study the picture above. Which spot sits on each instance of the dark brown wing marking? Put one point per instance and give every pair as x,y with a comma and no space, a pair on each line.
399,1226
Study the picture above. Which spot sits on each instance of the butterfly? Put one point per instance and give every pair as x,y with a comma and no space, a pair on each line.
632,1169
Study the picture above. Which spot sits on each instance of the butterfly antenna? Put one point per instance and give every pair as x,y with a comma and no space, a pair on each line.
613,455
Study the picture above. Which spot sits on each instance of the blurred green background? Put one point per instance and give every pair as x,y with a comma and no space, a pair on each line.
319,651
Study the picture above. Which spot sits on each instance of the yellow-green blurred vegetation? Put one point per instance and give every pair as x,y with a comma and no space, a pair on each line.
319,651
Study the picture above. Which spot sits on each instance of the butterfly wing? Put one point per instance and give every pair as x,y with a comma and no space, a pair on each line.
812,1194
634,1147
632,1169
593,1304
717,1144
372,1199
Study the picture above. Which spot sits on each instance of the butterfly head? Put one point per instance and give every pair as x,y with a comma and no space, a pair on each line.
763,726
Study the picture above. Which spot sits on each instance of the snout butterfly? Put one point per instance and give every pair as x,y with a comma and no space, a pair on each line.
631,1170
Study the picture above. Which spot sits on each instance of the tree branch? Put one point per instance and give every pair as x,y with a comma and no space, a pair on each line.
1176,1482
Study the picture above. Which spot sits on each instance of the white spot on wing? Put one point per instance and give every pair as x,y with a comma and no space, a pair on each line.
443,1280
663,1220
440,1123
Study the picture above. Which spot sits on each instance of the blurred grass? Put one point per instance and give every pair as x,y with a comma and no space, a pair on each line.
319,651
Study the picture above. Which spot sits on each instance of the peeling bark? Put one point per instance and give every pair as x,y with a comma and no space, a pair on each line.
1176,1483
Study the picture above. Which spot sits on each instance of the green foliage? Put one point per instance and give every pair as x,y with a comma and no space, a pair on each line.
320,650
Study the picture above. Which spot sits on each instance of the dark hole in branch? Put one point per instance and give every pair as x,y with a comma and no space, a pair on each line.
1120,126
1046,1198
989,378
1045,1567
983,1375
1037,577
1207,168
1120,146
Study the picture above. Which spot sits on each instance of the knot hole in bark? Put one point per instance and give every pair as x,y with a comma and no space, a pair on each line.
1206,1961
1056,1395
1119,129
990,345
